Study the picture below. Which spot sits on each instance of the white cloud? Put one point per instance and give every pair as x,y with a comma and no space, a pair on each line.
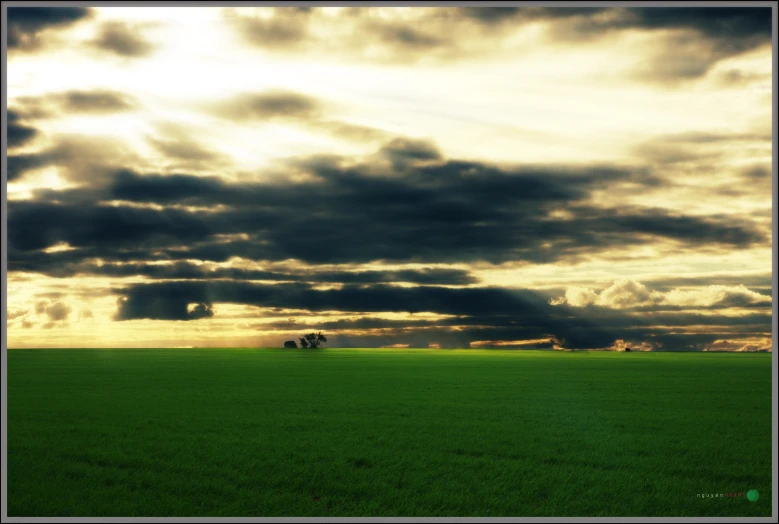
629,293
577,297
621,345
711,295
741,346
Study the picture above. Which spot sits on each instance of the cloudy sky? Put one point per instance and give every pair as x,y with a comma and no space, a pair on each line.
434,177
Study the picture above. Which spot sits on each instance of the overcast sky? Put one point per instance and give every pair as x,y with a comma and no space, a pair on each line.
485,177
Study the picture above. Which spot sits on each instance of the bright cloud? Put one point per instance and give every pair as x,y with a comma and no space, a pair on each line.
631,294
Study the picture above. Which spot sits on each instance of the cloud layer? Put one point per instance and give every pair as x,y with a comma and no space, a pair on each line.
507,177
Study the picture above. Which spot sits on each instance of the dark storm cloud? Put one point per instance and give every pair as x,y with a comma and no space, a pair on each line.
76,101
35,226
715,22
437,33
122,39
489,15
486,313
408,204
658,223
349,298
485,306
492,16
269,105
162,309
356,31
723,33
18,165
86,159
731,29
94,101
201,311
176,143
443,32
62,264
737,24
287,28
407,37
452,277
295,108
25,23
444,188
403,150
127,185
71,263
18,133
190,152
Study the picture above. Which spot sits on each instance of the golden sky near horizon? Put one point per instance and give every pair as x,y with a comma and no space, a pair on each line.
507,177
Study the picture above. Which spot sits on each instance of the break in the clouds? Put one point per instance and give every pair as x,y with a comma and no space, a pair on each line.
529,177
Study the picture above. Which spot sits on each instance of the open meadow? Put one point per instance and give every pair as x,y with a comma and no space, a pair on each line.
387,432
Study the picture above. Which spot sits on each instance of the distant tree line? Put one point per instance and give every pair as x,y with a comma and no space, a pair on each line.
312,340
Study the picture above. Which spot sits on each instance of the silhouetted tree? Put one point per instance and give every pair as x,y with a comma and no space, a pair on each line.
290,344
313,340
627,349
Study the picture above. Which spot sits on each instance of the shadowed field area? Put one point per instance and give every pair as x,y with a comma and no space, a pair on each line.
350,432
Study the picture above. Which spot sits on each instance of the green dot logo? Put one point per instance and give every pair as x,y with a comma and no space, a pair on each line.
753,495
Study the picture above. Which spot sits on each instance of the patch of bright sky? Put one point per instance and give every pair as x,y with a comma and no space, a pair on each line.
639,267
535,105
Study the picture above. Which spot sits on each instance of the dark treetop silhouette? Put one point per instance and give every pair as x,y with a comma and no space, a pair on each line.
313,340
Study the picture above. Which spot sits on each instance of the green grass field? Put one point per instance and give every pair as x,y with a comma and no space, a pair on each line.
241,432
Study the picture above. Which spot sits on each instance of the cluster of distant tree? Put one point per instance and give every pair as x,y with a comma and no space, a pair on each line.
317,340
312,340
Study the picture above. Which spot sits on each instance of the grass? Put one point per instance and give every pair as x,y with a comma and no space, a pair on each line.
242,432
